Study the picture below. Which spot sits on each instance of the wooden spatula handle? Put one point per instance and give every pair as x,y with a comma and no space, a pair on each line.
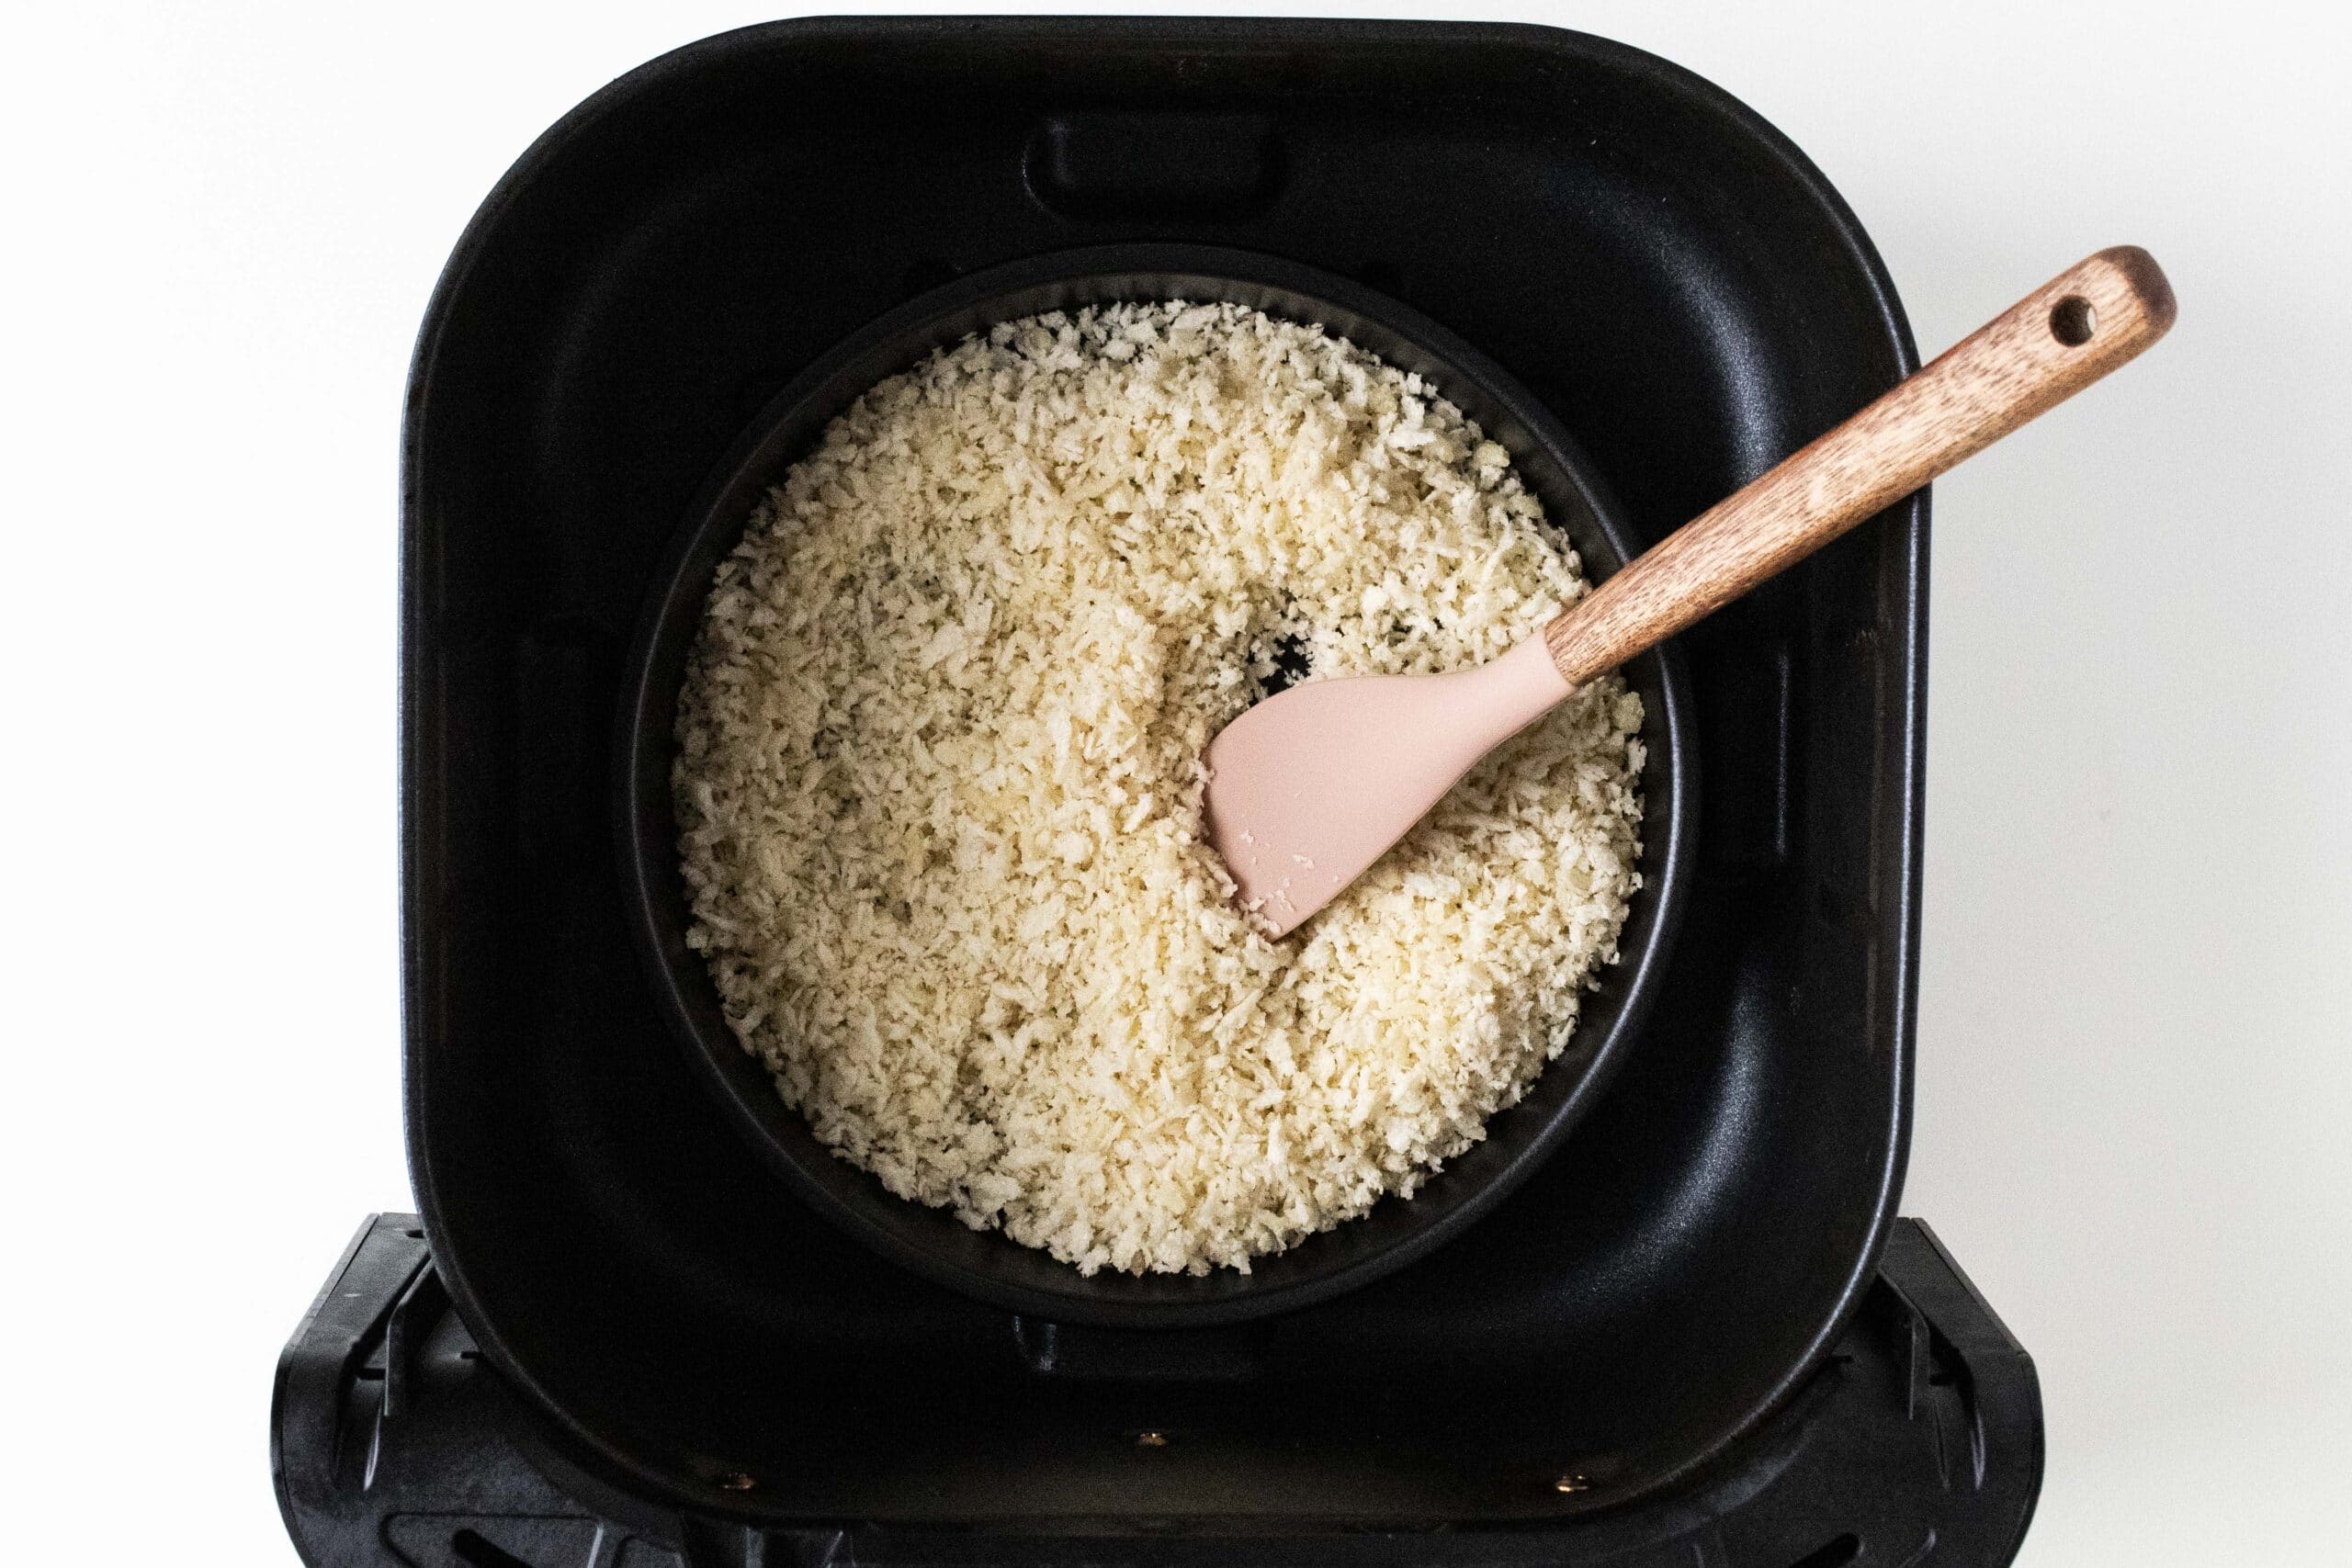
2059,339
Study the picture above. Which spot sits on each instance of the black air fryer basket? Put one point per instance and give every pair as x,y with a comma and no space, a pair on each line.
1698,1328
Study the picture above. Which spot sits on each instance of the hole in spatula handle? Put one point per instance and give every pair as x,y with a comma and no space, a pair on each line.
2073,321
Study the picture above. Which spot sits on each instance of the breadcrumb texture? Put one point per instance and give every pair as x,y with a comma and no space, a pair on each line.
939,786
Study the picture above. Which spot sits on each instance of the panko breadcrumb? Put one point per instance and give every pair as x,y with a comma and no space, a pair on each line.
939,786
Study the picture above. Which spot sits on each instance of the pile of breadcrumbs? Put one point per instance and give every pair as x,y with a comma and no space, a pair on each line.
939,786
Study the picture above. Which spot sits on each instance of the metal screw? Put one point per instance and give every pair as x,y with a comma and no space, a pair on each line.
1151,1439
736,1481
1571,1483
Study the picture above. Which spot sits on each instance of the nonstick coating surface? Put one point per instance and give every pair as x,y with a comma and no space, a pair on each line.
985,1263
1658,266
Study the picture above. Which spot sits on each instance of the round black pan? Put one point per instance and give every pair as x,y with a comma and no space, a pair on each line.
985,1264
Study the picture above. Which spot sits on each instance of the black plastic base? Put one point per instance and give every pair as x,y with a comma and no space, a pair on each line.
1920,1443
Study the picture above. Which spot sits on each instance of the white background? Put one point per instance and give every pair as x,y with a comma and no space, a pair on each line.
222,225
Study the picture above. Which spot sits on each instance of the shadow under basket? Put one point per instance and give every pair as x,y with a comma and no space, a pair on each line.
1698,1328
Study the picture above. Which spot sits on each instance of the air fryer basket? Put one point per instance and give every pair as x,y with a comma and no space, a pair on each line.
1674,282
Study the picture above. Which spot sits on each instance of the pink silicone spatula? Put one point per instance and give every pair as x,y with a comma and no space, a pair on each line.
1312,785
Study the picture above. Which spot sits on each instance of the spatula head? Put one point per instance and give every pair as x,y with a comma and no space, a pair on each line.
1312,785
